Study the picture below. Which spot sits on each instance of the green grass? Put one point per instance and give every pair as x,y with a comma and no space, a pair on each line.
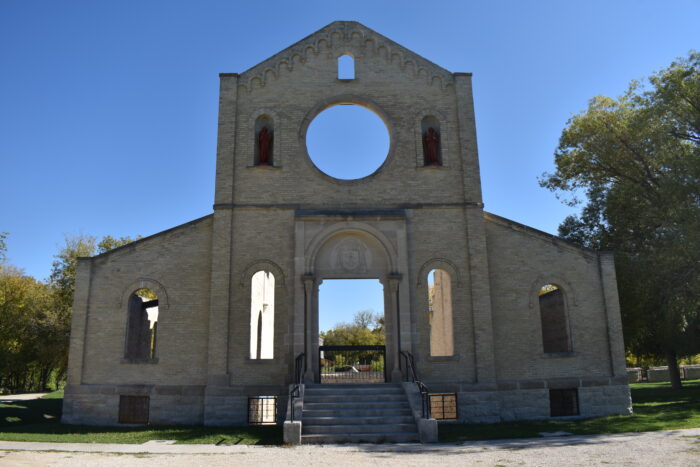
39,420
656,407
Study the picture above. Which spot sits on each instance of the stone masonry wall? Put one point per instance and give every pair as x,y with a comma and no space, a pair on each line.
175,264
521,262
202,270
296,90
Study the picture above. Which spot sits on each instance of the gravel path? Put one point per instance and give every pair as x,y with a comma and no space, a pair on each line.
661,448
22,397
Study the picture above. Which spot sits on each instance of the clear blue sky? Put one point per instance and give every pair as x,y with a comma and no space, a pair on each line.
340,299
108,109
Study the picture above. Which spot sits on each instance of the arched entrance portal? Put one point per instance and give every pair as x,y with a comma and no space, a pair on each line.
345,252
351,315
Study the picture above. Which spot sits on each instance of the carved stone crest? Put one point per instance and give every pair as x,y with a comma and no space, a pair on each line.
351,255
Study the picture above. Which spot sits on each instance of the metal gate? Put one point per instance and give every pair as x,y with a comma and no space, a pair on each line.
348,364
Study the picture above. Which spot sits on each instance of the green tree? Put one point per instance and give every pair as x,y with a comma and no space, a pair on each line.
110,243
366,329
3,247
62,277
637,158
35,317
24,304
62,282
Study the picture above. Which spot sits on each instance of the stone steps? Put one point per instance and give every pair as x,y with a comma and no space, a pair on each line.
354,389
364,428
388,437
375,399
372,413
360,412
358,420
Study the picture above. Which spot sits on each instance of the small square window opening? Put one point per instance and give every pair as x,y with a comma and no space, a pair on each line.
443,406
262,410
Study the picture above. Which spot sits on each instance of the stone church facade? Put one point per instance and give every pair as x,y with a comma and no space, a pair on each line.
526,321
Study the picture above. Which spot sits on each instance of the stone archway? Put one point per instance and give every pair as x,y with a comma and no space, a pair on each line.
344,251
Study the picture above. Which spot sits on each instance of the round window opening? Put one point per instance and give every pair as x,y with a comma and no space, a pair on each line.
347,141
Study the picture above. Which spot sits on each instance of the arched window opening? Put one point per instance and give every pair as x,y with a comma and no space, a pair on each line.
264,141
346,67
262,315
432,150
555,331
440,313
142,325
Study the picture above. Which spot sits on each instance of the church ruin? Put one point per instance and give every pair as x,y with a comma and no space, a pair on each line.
215,322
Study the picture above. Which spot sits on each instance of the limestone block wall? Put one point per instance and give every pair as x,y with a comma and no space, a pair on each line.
483,406
433,218
262,240
634,375
692,371
176,265
600,401
295,85
660,373
521,261
479,406
524,404
438,239
98,404
225,406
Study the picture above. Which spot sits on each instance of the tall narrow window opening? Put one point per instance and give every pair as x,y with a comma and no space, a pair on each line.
555,330
440,313
346,67
142,325
264,141
432,146
262,315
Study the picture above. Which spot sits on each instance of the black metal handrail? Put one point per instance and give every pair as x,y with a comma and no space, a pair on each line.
411,375
299,368
294,392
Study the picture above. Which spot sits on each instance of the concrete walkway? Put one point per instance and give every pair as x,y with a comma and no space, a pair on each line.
674,448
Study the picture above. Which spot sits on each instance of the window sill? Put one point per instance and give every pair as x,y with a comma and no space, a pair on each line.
139,360
567,417
444,358
432,167
264,167
559,355
346,80
259,360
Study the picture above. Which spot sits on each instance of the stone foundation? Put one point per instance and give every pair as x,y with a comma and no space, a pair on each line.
228,405
169,405
529,399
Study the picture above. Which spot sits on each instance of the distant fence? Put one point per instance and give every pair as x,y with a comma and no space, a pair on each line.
347,364
660,373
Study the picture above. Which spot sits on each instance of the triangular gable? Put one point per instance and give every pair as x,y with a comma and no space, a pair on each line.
341,35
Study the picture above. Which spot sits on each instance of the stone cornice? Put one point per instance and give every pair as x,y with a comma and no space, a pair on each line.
341,36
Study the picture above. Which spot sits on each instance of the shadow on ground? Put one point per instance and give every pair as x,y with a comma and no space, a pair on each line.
656,407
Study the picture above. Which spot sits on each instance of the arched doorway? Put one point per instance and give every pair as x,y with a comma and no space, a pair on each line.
344,252
352,339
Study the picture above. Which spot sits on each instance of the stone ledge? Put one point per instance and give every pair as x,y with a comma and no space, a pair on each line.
264,167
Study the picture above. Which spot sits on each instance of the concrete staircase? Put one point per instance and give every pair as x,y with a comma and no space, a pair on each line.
353,413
